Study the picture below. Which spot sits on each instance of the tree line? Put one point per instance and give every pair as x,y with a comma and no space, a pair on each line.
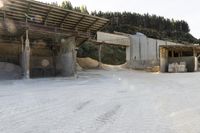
68,5
151,25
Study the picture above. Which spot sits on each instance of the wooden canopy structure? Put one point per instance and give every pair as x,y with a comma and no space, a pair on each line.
52,18
42,38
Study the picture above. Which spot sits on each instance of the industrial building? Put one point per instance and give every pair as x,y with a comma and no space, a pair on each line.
143,52
41,39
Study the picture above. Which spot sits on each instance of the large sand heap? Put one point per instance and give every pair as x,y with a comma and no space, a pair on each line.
89,63
9,71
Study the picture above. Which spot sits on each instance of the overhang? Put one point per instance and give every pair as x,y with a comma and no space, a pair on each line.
50,16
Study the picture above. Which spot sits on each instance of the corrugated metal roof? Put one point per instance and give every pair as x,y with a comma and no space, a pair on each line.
49,15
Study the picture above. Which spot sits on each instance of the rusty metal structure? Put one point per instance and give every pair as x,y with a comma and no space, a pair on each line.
42,38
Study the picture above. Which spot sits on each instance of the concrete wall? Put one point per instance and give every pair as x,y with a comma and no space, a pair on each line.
113,39
144,51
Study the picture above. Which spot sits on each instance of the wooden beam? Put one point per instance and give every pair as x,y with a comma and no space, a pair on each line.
28,8
104,26
75,27
93,23
48,13
66,15
4,15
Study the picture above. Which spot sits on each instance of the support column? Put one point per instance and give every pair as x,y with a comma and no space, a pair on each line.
21,54
195,60
163,60
99,55
130,52
65,60
26,57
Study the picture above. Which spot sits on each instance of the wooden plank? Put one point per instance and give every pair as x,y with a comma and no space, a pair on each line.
15,9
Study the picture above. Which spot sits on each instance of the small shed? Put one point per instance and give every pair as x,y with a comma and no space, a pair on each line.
179,55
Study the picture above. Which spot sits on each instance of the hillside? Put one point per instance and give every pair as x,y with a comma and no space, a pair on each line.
151,25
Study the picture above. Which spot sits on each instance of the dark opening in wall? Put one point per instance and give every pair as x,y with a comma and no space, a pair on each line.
170,54
176,54
187,53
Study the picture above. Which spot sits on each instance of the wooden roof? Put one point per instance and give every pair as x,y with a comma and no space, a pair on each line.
51,16
181,47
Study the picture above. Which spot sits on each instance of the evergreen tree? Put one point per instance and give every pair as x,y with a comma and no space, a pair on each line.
67,5
84,9
77,9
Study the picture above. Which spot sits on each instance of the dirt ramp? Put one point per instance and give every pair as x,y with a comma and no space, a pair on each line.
10,71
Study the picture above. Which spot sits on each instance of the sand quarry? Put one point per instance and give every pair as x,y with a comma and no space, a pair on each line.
102,101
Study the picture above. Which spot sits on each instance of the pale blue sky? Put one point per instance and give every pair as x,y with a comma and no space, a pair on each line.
187,10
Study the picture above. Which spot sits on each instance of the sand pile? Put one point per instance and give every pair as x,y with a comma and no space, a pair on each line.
9,71
89,63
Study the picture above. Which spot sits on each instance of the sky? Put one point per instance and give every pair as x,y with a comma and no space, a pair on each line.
187,10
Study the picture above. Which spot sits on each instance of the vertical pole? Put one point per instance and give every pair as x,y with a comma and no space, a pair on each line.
22,40
22,54
195,60
75,58
27,57
99,54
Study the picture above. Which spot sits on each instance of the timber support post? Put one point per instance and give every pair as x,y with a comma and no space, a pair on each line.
26,57
99,55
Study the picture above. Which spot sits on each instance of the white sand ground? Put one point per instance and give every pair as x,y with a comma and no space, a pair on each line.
100,101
